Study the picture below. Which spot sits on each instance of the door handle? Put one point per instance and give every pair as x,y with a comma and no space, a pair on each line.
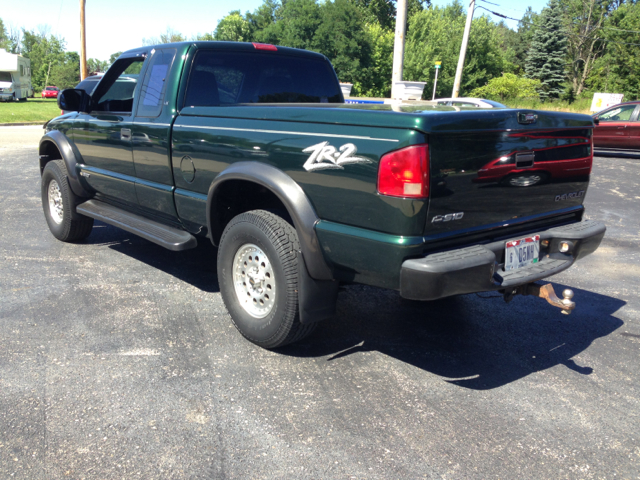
125,134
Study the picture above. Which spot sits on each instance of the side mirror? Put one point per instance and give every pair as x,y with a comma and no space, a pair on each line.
74,100
596,121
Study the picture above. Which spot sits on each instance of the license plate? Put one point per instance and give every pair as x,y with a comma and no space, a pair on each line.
520,253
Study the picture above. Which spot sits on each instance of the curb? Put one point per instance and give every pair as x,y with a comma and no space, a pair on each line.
20,124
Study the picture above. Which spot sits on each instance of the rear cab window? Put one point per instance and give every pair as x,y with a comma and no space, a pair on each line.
234,77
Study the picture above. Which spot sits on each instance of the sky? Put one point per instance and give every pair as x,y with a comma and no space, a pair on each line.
118,25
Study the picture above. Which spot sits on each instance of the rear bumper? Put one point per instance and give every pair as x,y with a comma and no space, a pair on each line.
479,268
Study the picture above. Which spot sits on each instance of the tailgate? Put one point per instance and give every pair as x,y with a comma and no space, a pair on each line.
490,180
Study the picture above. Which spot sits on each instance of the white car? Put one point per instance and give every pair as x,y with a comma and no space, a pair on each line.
469,102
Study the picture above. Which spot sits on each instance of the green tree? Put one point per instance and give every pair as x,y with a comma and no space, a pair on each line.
4,36
383,12
381,62
296,24
233,28
508,86
169,36
10,38
341,36
114,57
261,21
524,37
508,40
583,26
546,56
45,53
618,70
66,73
436,34
205,37
97,66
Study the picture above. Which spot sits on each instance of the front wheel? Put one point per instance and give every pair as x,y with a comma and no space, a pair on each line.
59,205
258,277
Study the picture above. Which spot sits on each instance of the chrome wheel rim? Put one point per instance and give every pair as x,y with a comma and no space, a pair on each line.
254,281
56,209
525,181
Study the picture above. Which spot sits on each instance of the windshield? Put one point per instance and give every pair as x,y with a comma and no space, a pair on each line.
5,77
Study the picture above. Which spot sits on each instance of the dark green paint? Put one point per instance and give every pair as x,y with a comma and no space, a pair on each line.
364,236
363,256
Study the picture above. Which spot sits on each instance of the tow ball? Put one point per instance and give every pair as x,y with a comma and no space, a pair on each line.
566,305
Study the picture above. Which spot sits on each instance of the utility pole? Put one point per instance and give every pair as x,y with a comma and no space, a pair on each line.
463,49
435,83
398,45
83,44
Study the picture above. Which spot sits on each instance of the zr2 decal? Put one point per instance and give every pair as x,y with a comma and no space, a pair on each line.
324,156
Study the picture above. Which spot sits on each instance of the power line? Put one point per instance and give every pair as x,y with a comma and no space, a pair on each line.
563,31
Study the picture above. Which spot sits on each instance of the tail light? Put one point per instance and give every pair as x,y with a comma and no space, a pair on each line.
405,172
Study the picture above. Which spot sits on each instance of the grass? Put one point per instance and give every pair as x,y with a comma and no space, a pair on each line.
33,110
581,105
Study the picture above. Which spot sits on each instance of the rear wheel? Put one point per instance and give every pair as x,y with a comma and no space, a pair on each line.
59,205
258,277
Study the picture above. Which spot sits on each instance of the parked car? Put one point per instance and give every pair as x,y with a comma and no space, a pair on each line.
50,92
469,102
617,129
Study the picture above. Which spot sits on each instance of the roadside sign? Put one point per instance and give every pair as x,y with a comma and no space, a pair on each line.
604,100
438,64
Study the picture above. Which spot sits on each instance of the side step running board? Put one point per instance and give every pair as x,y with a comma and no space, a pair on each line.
163,235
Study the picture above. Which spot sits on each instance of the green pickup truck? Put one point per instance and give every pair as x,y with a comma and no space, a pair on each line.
252,147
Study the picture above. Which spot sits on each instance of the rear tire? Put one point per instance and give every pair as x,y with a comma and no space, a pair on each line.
258,277
59,205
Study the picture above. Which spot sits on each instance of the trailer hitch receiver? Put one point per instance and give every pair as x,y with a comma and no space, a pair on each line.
566,305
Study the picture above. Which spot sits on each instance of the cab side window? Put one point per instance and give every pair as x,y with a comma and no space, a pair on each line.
116,90
155,84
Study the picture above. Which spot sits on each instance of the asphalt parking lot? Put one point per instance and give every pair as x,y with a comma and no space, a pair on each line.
118,360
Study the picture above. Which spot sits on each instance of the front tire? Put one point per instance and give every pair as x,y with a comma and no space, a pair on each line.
258,277
59,205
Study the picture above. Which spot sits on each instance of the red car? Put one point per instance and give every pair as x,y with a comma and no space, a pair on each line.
569,158
50,92
617,128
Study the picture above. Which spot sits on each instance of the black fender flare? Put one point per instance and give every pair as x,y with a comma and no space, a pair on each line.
68,154
293,198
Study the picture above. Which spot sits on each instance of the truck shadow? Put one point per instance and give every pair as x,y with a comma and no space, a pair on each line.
196,267
473,341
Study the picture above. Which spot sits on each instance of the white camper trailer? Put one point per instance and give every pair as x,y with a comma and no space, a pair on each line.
15,77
